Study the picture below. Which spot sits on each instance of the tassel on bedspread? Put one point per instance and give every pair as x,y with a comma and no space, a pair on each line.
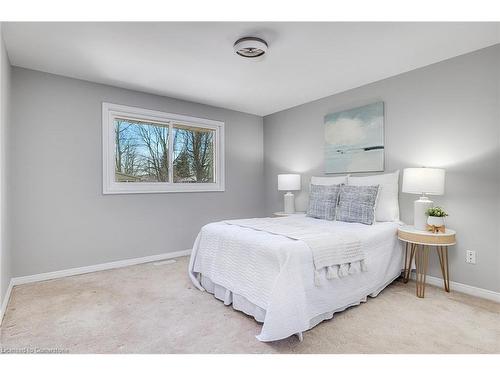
339,271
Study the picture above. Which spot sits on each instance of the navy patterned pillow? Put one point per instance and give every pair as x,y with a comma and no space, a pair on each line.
323,201
357,204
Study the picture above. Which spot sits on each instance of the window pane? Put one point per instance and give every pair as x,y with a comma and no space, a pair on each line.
141,151
193,154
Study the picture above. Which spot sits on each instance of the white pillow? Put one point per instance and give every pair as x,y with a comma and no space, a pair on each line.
387,206
337,180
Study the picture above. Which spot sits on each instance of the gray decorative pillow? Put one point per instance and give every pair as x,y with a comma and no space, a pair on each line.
323,201
357,204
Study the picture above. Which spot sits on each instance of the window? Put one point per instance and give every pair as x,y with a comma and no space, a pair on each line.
148,151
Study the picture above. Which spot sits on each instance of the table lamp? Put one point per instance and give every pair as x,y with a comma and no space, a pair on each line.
289,182
423,181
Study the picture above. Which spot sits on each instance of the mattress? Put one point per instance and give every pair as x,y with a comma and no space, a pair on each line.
271,277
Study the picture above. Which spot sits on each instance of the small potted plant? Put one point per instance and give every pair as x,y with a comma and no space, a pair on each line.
436,217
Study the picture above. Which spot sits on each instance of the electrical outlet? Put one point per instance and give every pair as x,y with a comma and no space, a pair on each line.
470,257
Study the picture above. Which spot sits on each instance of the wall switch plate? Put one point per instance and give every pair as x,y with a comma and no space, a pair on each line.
470,257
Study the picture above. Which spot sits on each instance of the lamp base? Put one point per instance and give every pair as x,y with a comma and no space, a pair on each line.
419,216
289,203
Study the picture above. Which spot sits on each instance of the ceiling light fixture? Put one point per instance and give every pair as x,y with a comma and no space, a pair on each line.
250,47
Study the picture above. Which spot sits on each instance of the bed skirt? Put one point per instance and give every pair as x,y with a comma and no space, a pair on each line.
240,303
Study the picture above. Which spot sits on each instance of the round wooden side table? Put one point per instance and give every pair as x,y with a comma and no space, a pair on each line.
417,245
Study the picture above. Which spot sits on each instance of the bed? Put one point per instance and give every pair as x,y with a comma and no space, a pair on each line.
271,277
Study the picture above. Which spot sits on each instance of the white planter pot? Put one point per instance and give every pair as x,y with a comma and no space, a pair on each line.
436,221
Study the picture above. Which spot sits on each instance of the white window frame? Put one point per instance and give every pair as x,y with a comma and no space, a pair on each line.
111,111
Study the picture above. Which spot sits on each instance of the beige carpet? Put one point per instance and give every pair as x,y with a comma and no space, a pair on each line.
155,309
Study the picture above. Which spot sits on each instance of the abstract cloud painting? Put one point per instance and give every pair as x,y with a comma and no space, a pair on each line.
354,140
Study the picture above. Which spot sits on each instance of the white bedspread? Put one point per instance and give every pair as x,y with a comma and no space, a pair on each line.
276,273
339,252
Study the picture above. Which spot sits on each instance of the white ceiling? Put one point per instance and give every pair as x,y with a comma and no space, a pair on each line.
196,62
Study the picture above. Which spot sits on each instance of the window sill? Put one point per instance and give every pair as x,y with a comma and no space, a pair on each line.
155,189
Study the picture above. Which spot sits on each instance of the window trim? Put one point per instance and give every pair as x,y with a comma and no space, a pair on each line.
110,111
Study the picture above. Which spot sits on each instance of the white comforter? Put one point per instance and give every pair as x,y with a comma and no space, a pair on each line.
276,273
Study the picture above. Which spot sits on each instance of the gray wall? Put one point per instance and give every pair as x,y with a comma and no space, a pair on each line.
60,217
5,79
444,115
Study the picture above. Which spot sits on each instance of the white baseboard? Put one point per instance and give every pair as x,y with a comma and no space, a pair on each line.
97,267
5,302
462,288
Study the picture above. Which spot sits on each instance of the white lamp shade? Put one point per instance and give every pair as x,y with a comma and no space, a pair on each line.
289,182
423,181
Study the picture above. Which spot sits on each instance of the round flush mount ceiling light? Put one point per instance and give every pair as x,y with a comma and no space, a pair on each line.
250,47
